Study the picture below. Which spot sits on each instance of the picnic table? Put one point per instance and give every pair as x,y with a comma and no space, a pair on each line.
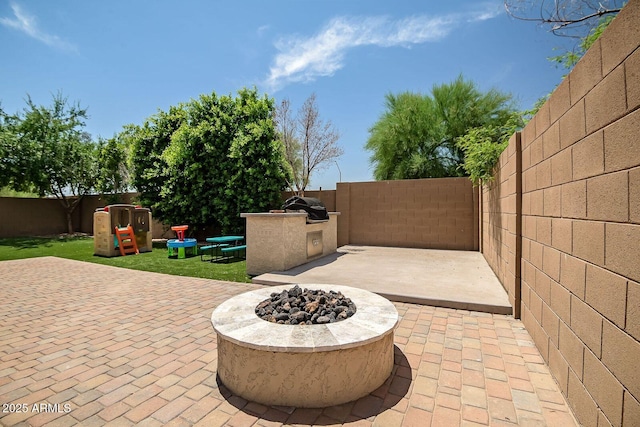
221,246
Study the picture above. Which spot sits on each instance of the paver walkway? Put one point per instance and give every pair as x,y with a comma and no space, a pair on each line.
120,347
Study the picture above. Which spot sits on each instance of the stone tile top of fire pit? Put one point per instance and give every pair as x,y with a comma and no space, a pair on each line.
236,320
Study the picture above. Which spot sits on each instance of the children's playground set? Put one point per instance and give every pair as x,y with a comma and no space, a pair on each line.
120,230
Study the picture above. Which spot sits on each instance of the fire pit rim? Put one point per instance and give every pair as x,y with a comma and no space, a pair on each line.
235,320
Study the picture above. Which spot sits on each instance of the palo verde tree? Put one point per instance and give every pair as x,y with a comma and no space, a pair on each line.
45,150
418,136
310,143
205,161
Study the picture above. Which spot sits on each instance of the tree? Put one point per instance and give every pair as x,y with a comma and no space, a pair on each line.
286,128
113,174
418,135
483,145
572,18
146,144
204,162
8,145
44,150
310,143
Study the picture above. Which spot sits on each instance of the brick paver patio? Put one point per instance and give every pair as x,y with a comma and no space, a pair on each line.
122,347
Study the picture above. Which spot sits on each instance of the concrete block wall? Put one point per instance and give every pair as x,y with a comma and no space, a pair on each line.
501,222
42,217
580,228
426,213
420,213
33,217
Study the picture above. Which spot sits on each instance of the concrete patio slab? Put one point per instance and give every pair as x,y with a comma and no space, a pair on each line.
442,278
93,345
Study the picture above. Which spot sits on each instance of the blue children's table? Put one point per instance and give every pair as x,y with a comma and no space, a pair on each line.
181,245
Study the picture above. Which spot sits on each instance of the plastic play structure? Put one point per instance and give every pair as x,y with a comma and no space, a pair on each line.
121,230
181,243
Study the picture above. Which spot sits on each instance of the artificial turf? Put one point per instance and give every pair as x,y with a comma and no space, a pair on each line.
81,249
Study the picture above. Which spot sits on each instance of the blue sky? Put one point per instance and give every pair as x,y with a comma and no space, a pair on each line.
124,60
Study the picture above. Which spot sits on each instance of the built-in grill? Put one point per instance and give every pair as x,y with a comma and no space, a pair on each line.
315,209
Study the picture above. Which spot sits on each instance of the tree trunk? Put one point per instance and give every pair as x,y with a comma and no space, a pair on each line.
69,207
69,221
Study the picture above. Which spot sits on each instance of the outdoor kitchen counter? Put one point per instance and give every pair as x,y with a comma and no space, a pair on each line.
281,241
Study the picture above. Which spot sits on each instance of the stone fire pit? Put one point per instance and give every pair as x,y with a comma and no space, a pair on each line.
307,366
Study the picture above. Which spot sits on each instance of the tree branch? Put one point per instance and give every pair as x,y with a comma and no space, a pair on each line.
563,14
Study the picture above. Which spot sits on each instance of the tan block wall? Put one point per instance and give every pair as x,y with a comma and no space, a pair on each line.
43,217
418,213
33,217
501,222
580,228
427,213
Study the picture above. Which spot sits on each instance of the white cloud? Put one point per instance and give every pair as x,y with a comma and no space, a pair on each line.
302,59
490,12
27,24
262,29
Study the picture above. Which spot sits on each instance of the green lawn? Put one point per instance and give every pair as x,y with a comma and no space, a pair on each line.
81,249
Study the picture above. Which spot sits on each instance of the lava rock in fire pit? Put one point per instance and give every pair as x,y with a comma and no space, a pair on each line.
305,307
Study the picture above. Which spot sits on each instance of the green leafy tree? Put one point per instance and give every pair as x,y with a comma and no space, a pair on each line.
206,161
418,135
146,144
8,146
482,147
113,174
45,150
